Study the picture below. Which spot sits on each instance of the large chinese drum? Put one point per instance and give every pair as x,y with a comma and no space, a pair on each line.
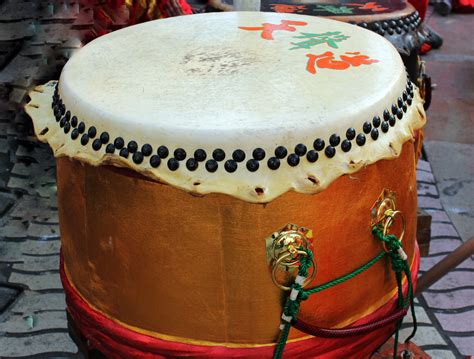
183,144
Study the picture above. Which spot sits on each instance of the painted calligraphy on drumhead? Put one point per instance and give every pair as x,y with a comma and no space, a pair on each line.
332,9
268,29
329,38
325,60
336,10
288,9
371,5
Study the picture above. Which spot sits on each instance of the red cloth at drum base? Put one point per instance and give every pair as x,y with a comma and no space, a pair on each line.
116,341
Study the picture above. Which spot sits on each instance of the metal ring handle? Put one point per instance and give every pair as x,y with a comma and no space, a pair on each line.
390,215
278,263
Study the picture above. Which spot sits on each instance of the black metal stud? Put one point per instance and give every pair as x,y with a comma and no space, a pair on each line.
96,144
293,160
238,155
84,139
200,155
67,127
319,144
110,148
192,164
132,146
211,165
367,127
163,151
124,152
334,140
74,121
300,149
351,133
385,126
273,163
400,102
173,164
81,127
155,161
218,154
74,134
252,165
180,154
68,115
346,145
394,109
375,122
230,166
119,143
258,154
312,156
330,151
147,150
374,134
92,132
137,157
104,137
281,152
399,114
392,121
360,139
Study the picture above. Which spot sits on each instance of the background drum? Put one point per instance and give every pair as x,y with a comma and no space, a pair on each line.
396,20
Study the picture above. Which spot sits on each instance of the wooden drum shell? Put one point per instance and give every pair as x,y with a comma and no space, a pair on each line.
193,269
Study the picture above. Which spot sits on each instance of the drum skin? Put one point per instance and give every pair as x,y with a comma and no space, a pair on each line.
193,269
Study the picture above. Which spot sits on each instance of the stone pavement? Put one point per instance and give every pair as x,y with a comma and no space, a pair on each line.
36,39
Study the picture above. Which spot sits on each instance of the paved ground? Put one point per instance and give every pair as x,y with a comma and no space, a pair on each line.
450,130
35,41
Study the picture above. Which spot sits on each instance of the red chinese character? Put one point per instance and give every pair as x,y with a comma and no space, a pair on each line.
284,8
357,59
267,29
327,61
370,6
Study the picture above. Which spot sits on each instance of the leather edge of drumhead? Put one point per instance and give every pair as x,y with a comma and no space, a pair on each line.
249,189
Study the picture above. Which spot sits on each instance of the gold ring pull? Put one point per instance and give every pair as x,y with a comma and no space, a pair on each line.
388,222
280,262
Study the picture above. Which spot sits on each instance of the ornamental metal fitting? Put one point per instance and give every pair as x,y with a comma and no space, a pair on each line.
384,213
284,251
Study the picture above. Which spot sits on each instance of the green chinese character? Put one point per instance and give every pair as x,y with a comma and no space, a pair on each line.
330,38
335,10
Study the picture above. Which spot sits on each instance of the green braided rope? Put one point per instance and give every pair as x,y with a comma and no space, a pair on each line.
399,266
282,342
307,292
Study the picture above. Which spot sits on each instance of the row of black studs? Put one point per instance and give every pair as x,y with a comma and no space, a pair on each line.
78,128
390,27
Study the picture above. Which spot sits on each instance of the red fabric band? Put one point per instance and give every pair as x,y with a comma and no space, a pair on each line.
116,341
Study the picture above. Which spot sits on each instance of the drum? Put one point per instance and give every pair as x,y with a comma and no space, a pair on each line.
184,217
396,20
